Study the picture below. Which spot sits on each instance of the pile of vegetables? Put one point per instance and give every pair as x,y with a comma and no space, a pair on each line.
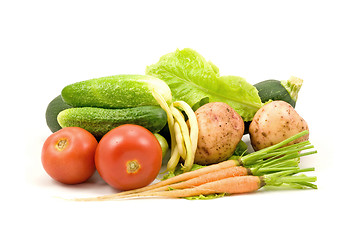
122,126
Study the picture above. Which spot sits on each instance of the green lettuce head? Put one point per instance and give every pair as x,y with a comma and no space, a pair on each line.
196,81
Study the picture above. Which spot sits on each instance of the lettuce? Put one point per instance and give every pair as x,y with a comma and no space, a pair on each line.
206,197
194,80
179,170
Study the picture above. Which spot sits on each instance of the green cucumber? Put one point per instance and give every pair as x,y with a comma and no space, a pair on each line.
99,121
52,110
285,90
120,91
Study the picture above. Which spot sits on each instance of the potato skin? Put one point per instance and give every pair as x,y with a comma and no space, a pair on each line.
220,130
275,122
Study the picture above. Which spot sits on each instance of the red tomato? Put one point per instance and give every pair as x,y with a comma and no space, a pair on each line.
128,157
68,155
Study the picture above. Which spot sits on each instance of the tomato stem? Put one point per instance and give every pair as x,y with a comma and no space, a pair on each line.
132,166
61,144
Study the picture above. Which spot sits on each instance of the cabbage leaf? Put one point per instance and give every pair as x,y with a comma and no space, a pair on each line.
193,79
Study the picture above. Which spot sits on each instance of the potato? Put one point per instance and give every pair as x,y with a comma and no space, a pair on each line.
220,130
275,122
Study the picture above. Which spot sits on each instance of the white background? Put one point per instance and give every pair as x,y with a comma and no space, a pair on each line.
46,45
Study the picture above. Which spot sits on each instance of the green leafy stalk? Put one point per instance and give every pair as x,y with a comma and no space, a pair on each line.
288,153
281,163
268,170
300,144
284,158
289,150
288,178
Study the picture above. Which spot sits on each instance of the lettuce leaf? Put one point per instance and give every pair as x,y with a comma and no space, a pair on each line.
179,170
193,79
206,197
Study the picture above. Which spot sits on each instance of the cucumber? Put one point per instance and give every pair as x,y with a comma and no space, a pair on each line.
285,90
52,110
120,91
99,121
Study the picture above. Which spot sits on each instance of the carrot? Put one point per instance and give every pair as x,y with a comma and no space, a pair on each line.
209,177
179,178
237,185
231,172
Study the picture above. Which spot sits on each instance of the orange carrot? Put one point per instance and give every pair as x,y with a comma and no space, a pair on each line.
225,173
236,185
179,178
212,176
231,185
209,177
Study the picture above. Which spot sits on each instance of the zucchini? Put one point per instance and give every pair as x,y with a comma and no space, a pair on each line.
285,90
120,91
99,121
52,110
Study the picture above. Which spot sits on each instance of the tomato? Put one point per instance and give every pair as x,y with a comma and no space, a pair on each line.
68,155
128,157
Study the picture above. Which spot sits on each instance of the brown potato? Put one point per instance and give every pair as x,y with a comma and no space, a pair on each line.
220,130
275,122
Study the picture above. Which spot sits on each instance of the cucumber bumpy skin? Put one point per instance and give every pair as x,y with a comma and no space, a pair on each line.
99,121
119,91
